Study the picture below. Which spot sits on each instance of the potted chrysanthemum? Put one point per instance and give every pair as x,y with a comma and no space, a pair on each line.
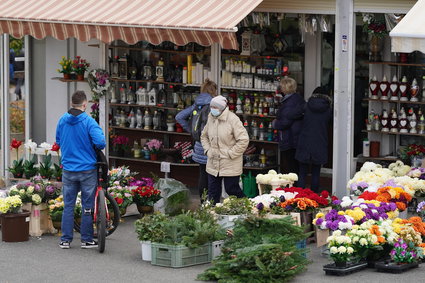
14,221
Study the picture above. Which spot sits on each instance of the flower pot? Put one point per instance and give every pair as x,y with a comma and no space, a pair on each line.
392,267
57,225
154,156
67,76
18,175
340,263
15,227
216,248
146,248
145,209
80,77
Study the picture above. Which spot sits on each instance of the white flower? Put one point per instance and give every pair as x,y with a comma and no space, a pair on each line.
333,250
350,250
46,146
31,146
336,233
342,250
363,242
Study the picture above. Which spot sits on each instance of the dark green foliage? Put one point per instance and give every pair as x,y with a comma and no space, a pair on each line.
17,168
260,250
29,167
45,169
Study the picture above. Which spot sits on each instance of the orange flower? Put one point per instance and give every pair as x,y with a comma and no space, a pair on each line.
401,206
375,230
381,240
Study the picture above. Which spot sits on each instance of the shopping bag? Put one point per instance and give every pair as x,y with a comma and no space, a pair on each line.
249,185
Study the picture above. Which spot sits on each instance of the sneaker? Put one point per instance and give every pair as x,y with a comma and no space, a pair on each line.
89,245
65,245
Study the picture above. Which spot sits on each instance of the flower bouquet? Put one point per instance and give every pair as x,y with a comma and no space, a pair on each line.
95,111
122,196
120,145
99,83
122,175
374,26
80,66
154,147
142,182
413,153
17,168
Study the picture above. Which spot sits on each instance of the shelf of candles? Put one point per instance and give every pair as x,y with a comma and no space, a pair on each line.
144,106
379,158
395,101
150,130
394,133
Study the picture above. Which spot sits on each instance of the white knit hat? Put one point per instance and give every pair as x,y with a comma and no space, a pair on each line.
219,102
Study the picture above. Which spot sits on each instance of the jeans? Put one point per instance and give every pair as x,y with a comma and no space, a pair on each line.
74,182
203,180
231,185
315,176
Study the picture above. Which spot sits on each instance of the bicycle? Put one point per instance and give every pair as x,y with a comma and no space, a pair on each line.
105,225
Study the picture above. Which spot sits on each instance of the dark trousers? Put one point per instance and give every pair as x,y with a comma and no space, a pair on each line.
288,163
315,176
231,185
203,180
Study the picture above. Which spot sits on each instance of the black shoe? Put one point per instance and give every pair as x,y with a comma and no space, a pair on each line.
65,245
89,245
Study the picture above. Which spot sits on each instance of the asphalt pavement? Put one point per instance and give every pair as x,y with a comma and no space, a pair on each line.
41,260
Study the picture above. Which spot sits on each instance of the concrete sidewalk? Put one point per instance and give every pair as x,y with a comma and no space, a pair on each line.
41,260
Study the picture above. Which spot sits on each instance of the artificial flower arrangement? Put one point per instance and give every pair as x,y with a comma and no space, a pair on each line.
146,195
66,65
95,111
234,206
267,203
11,204
142,182
120,144
122,175
99,83
340,248
373,26
413,150
121,194
154,145
17,168
80,66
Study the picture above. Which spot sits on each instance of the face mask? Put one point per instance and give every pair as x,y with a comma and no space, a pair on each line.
215,112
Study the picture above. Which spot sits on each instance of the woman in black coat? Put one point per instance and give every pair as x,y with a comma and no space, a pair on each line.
312,146
288,121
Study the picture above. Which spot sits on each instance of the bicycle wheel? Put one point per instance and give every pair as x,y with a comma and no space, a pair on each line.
101,220
114,220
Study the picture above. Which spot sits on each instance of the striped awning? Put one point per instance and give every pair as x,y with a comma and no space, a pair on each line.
179,21
409,34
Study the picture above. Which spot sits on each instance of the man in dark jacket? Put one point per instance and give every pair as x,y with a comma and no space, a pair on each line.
77,134
288,121
312,146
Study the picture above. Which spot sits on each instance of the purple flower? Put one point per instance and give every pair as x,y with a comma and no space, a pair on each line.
336,202
319,221
260,206
289,207
420,206
37,188
333,225
50,190
403,253
282,199
393,252
404,246
273,204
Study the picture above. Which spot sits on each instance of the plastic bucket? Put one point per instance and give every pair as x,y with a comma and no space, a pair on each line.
15,227
146,247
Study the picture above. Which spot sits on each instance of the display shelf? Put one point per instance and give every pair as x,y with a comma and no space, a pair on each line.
69,80
247,89
153,50
257,74
153,81
258,141
380,158
251,56
256,115
152,161
390,133
260,168
397,64
150,131
393,101
142,106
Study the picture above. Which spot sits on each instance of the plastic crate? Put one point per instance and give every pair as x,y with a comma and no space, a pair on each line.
180,256
302,245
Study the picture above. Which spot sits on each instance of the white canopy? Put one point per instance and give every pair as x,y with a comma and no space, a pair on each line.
409,34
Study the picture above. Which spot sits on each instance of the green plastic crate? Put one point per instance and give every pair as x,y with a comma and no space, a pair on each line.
180,256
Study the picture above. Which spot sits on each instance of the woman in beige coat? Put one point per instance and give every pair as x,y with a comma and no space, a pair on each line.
224,140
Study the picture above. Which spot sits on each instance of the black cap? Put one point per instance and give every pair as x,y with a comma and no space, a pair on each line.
321,90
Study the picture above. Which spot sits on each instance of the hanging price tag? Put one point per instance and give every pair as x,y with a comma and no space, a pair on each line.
165,167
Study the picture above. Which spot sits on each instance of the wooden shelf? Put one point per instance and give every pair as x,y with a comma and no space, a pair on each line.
390,133
251,56
68,81
256,115
142,106
152,161
381,158
397,64
258,141
247,89
392,101
260,168
156,82
150,131
257,74
153,50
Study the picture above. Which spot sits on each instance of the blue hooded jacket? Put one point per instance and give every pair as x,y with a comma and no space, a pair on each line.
76,136
183,119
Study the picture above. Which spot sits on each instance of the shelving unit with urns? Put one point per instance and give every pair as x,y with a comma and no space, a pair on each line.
396,99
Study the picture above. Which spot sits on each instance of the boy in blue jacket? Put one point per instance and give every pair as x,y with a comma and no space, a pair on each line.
78,134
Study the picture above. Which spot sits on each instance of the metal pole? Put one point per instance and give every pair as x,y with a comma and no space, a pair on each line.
344,94
5,129
27,88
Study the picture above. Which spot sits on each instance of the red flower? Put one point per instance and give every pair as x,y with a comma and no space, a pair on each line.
334,198
55,147
368,195
15,144
119,200
324,194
